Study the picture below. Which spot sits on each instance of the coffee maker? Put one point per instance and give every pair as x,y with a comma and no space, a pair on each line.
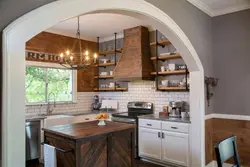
175,109
96,105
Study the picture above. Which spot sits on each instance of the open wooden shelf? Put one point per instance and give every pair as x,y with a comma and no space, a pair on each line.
111,89
104,77
167,57
172,88
170,72
160,43
110,51
106,64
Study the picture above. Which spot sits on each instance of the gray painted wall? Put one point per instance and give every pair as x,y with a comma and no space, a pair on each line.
198,28
231,44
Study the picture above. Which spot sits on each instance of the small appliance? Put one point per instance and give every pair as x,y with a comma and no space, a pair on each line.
175,109
96,105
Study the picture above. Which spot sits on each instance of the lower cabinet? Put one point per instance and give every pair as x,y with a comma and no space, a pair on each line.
150,143
175,148
164,146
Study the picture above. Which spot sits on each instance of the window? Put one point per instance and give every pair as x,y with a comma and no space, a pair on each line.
44,84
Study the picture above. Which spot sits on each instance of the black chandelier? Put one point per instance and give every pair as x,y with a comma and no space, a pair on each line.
79,60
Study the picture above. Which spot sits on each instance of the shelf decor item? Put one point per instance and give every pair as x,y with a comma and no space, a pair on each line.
210,83
79,60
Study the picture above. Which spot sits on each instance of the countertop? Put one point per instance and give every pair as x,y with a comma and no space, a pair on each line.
87,129
41,117
165,118
34,118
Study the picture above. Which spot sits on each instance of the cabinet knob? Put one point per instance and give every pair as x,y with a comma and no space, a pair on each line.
149,124
159,134
174,127
162,135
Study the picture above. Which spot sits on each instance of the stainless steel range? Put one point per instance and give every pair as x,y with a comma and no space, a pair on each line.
135,109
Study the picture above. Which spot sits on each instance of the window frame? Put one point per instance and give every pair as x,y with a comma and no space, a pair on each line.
58,66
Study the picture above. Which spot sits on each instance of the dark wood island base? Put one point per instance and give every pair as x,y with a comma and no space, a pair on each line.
89,145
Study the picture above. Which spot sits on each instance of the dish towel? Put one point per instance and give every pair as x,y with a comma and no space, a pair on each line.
49,156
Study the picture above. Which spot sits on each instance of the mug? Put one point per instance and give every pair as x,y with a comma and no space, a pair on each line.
163,68
111,84
164,82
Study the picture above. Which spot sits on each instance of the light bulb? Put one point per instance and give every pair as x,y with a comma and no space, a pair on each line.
71,58
86,53
95,55
87,57
67,52
61,55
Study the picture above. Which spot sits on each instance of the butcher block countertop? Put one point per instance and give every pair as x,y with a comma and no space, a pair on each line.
87,129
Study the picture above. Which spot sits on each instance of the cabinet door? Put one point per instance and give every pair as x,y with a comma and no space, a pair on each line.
150,143
175,148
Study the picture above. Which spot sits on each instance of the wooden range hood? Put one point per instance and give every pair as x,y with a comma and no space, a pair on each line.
135,62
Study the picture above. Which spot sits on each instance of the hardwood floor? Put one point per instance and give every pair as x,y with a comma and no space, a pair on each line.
138,162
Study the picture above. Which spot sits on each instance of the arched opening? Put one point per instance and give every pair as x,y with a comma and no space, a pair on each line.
24,28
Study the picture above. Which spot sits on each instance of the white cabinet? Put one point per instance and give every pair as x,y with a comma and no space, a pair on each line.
150,143
175,148
165,142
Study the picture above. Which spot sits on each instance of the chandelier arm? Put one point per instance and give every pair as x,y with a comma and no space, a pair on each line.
83,64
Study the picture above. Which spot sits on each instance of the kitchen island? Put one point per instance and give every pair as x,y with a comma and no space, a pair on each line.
89,145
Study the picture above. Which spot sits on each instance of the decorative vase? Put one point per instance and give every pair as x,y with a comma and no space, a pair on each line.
101,122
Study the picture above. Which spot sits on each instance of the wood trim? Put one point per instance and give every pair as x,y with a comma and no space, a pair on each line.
167,57
161,43
105,64
171,88
218,129
104,77
170,72
110,51
111,89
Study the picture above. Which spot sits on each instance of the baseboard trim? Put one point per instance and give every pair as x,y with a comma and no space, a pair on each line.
214,164
228,116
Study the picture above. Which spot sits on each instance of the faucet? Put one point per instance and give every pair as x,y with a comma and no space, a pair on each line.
49,111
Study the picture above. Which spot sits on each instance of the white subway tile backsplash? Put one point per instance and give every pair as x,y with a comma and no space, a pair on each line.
137,91
142,91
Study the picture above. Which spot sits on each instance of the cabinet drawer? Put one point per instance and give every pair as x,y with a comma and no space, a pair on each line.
175,127
150,123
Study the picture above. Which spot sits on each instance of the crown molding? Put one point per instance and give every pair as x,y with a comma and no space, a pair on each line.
213,13
231,10
199,4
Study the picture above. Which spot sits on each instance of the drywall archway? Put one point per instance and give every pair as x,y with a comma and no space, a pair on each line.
27,26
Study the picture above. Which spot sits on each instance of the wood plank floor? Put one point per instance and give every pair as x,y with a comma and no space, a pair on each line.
138,162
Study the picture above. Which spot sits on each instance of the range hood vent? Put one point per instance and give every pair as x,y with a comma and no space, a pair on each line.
135,62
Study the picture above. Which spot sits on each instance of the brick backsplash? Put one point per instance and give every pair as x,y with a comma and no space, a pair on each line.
83,105
137,91
142,91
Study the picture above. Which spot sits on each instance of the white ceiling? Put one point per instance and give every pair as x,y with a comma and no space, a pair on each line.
104,25
220,7
97,25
